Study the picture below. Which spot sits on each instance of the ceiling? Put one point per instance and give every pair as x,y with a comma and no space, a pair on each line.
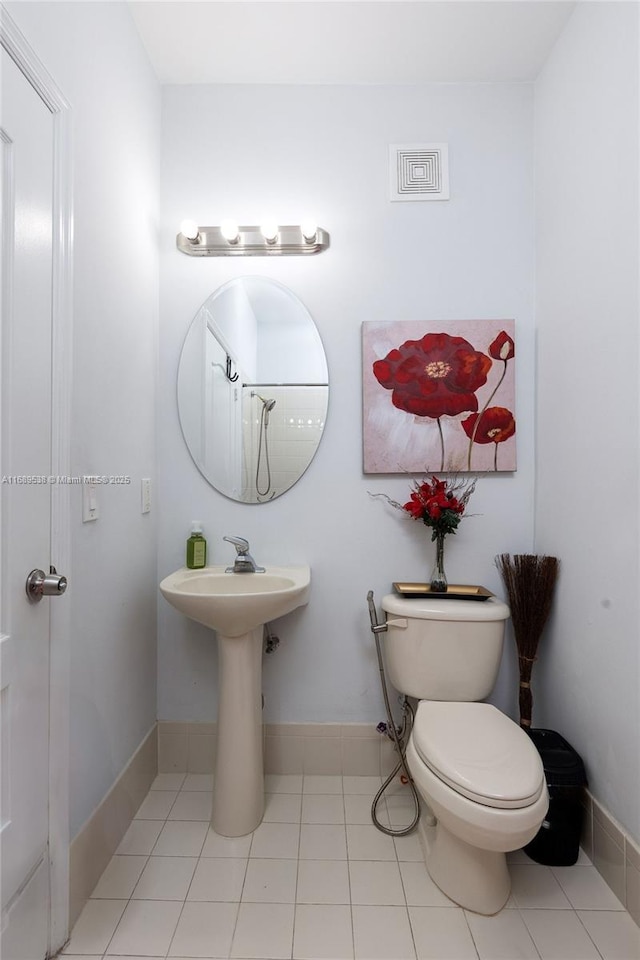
355,41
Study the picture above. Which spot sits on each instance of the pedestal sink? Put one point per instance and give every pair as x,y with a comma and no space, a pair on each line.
236,606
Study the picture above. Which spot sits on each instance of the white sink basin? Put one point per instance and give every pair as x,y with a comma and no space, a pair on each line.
236,603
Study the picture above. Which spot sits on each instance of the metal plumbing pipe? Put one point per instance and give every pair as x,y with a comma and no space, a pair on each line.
400,737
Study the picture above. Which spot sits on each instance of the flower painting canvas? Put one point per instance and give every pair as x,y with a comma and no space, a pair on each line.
439,396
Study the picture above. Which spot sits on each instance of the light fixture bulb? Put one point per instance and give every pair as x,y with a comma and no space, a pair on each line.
269,231
309,230
229,230
189,229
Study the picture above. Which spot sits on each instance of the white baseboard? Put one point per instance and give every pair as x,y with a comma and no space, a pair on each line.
350,749
613,852
95,844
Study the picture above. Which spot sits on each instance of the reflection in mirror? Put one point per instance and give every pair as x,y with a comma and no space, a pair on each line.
252,389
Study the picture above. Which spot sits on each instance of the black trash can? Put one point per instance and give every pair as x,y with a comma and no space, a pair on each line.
557,843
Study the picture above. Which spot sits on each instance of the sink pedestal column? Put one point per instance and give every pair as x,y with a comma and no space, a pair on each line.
238,785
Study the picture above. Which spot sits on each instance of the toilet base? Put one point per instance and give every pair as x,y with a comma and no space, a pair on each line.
475,879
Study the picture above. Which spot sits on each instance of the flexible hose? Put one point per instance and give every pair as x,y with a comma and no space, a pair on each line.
400,737
263,433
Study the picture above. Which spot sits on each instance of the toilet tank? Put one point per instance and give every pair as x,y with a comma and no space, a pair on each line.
438,649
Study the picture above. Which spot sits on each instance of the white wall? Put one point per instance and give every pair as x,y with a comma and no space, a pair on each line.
94,54
587,682
289,152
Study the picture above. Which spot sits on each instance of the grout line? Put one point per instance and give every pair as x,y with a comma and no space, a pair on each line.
597,949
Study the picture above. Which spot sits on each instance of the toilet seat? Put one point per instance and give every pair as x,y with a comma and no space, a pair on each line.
479,752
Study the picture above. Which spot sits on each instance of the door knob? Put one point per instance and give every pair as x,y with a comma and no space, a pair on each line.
40,584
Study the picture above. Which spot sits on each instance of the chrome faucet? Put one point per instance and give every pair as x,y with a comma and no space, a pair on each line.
244,562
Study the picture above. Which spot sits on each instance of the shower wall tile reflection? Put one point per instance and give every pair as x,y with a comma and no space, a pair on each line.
276,454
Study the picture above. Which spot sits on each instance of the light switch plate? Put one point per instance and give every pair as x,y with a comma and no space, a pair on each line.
146,494
89,500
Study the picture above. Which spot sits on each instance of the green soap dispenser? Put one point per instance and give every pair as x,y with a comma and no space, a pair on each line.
196,547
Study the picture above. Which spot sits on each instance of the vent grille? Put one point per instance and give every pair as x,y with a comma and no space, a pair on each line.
419,171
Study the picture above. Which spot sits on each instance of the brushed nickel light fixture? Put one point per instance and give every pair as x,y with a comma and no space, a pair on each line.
269,239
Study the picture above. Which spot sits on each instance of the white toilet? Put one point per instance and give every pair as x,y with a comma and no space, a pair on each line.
476,770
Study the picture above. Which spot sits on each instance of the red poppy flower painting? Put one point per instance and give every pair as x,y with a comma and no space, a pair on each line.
435,376
494,425
426,385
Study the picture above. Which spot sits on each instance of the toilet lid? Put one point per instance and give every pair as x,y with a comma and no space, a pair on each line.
479,752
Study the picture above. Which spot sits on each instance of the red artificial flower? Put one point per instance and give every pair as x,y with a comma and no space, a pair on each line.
430,501
435,376
496,425
503,347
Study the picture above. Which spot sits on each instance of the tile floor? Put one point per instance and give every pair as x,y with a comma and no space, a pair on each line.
316,881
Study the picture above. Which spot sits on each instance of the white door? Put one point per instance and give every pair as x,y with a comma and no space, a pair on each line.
26,142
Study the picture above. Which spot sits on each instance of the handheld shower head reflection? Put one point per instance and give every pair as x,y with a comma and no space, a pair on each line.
267,406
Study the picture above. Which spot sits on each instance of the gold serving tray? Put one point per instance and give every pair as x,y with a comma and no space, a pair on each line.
455,591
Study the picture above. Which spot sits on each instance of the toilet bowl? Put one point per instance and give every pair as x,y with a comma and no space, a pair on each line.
475,769
483,780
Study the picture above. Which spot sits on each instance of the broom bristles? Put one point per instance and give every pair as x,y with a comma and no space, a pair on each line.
530,582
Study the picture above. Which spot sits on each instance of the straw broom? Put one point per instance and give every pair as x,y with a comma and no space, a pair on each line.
530,581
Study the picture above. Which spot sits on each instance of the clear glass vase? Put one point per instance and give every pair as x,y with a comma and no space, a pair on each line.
438,582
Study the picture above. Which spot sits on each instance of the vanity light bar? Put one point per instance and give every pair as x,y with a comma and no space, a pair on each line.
251,241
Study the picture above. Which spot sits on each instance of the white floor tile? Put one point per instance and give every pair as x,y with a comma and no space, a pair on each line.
181,838
615,934
218,879
165,878
535,887
270,881
95,926
401,810
168,781
376,882
156,805
119,878
282,808
217,846
322,932
321,784
559,935
204,930
140,837
146,928
323,841
198,781
323,881
357,809
343,883
419,888
263,930
283,783
366,842
442,933
409,848
276,840
586,889
192,805
382,933
319,808
518,856
364,786
503,937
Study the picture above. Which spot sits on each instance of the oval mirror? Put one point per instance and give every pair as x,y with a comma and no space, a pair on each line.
252,389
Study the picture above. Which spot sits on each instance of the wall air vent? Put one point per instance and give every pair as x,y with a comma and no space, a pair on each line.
419,171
